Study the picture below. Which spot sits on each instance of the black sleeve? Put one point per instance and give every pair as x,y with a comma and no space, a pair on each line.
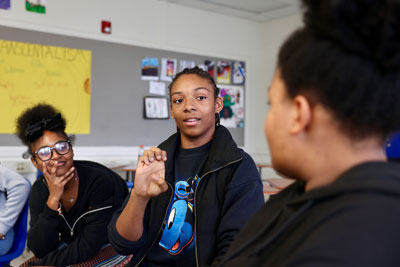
243,197
120,244
44,222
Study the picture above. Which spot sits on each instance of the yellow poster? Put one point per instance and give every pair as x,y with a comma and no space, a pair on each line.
32,73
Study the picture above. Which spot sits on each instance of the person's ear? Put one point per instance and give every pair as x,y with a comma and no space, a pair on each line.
171,112
302,114
218,104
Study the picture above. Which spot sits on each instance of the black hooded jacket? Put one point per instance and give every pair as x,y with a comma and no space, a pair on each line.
228,194
351,222
84,226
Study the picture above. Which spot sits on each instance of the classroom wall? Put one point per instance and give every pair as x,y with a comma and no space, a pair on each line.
273,34
161,25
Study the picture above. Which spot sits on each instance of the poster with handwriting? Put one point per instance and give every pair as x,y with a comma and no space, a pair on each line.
32,73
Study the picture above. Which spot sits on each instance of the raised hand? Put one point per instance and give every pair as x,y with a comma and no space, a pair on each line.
150,174
56,183
149,182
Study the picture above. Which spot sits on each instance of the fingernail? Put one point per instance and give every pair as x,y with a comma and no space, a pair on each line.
158,157
152,158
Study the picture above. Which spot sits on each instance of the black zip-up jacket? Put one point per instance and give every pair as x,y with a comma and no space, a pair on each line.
84,227
351,222
228,194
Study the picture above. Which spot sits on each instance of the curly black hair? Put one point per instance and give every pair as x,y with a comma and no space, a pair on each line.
202,74
33,121
347,57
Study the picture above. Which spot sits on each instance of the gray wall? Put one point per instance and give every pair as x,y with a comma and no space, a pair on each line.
117,91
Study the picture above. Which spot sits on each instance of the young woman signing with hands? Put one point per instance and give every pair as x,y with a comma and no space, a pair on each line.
194,192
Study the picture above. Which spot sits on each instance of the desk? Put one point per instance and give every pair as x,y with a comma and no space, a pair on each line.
115,167
279,183
263,165
273,186
129,169
269,189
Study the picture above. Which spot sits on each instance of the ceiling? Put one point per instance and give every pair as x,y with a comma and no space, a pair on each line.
254,10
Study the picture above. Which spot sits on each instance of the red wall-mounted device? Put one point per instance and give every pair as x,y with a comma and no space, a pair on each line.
106,27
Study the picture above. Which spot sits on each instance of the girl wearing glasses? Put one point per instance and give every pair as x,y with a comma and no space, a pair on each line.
73,201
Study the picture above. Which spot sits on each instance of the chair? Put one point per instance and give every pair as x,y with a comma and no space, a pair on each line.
18,245
38,174
392,147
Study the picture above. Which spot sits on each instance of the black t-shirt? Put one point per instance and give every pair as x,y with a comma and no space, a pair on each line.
176,243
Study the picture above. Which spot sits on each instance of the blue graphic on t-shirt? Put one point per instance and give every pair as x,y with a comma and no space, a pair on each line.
178,232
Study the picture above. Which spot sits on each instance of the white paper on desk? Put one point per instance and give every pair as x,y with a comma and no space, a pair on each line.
157,88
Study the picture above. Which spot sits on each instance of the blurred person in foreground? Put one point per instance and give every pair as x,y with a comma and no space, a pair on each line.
334,99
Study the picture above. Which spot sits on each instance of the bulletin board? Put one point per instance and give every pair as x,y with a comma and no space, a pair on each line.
114,92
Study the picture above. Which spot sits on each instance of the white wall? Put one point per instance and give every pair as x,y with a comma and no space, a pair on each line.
273,34
157,24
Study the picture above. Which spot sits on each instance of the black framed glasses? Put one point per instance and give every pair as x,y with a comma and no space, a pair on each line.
45,153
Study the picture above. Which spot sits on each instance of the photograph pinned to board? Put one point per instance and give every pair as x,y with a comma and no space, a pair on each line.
232,113
223,72
168,69
149,68
156,107
157,88
37,6
5,4
238,72
183,64
210,67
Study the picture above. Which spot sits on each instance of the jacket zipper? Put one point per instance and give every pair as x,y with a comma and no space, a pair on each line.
159,231
195,220
71,229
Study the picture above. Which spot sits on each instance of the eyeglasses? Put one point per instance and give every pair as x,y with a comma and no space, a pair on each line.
45,153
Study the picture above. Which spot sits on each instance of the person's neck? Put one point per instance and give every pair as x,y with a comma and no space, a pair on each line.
327,166
187,142
193,144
